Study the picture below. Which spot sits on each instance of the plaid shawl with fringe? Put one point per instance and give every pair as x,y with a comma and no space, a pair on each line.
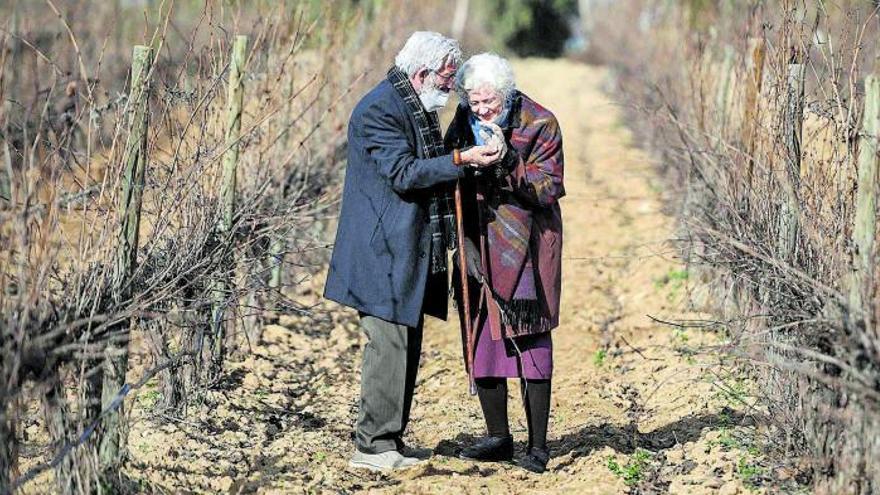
441,209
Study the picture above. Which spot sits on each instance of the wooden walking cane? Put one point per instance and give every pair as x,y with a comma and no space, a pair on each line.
465,293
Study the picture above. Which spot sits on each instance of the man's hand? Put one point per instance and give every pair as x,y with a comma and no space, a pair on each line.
481,156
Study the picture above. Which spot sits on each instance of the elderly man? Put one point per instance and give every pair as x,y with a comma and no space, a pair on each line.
395,226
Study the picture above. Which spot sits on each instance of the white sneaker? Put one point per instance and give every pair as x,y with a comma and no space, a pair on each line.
382,462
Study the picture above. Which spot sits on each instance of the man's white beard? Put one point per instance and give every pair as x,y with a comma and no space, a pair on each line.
433,99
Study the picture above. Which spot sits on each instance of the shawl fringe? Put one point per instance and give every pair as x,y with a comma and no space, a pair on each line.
522,316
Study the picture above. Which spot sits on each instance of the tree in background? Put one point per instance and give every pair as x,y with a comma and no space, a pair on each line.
530,27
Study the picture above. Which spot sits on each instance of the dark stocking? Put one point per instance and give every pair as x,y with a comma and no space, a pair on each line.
493,400
536,398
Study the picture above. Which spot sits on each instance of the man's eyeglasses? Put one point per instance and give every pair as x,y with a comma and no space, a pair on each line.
443,78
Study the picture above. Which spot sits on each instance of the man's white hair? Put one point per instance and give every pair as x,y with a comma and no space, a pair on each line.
427,49
486,69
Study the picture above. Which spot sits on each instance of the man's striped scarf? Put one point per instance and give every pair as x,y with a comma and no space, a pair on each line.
441,210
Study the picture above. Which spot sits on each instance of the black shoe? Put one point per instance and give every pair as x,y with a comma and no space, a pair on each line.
535,461
490,449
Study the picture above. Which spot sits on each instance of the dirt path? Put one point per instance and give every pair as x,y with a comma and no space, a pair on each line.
623,383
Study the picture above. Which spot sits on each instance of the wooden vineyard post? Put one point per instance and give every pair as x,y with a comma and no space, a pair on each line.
755,71
792,128
8,454
221,292
276,256
722,95
6,174
6,166
865,227
112,441
235,97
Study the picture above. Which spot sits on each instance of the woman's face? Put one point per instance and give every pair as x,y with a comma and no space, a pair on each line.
485,103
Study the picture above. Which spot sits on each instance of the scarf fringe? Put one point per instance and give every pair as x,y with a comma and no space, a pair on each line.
438,259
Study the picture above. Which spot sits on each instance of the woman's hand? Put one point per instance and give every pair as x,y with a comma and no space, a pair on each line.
496,137
473,260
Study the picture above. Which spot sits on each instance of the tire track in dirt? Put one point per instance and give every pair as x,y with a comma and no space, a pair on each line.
622,382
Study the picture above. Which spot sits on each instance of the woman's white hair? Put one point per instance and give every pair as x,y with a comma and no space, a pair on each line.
427,49
486,69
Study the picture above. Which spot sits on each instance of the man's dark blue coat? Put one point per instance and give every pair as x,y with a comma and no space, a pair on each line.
381,258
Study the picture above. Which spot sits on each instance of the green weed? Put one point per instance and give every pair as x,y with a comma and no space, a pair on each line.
673,281
149,398
726,441
634,469
674,278
680,344
732,390
599,357
749,472
679,335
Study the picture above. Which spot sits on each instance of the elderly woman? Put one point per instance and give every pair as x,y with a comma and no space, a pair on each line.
513,245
